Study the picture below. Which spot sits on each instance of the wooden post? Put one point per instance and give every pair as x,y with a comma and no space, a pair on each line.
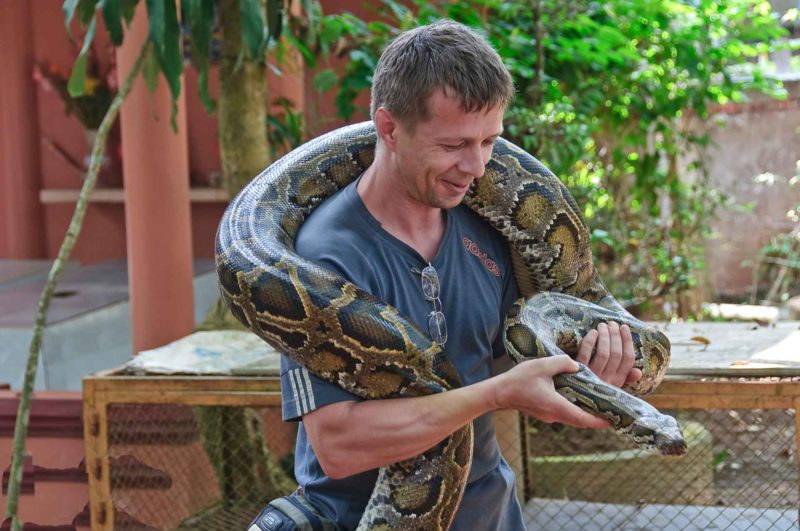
95,433
21,219
797,447
157,206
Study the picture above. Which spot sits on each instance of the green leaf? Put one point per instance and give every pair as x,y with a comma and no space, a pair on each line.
112,15
325,80
155,16
165,33
128,10
254,35
200,15
330,31
77,79
205,95
86,10
171,57
274,19
150,69
304,50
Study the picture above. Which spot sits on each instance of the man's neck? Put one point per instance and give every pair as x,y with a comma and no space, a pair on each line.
417,225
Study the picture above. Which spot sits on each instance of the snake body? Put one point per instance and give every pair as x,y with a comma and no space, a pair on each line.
347,336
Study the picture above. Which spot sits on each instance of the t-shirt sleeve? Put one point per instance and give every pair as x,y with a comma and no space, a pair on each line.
510,294
301,390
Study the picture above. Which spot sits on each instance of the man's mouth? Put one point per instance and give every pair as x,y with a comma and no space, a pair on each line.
457,188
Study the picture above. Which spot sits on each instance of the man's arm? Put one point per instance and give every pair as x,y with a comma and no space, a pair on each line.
351,437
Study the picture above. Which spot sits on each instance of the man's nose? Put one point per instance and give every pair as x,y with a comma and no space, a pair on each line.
473,162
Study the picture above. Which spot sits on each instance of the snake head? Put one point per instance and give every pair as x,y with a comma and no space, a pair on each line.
659,433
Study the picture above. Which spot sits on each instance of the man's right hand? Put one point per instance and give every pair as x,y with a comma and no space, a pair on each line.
528,387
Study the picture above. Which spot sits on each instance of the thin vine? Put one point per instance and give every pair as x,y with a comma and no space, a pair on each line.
23,413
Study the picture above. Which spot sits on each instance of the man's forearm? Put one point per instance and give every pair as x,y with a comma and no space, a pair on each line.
352,437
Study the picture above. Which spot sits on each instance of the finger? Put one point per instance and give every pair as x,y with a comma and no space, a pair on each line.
628,355
553,365
612,371
600,358
634,376
587,346
566,412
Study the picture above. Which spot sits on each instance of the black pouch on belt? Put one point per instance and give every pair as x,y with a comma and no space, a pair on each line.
290,513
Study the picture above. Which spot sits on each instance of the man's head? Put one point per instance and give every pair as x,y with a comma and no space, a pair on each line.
445,56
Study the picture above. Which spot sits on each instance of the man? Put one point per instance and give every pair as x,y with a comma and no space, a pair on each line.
438,97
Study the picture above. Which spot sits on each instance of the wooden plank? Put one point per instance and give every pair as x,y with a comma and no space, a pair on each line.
730,344
797,449
753,388
743,371
727,401
148,384
194,398
117,195
95,425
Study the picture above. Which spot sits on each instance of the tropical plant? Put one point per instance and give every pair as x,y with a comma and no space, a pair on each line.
606,96
99,88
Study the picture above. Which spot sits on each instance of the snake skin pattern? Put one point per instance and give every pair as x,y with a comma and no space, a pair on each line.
347,336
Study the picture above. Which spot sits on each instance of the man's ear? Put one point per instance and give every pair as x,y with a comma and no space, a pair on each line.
387,127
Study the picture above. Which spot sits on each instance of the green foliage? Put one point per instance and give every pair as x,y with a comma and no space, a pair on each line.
200,16
285,128
164,31
605,97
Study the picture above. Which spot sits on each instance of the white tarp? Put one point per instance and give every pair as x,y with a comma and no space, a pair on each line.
223,352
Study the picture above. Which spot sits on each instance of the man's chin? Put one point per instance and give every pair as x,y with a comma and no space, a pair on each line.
449,202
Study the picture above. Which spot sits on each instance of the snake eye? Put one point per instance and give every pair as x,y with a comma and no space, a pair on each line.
516,309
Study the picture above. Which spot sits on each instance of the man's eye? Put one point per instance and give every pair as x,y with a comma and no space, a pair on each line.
452,147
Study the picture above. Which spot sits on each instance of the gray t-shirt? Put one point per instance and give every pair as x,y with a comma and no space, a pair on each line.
477,289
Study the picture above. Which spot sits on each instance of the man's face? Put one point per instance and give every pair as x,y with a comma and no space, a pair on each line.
439,159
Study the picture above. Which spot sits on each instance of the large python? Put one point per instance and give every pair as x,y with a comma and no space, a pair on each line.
349,337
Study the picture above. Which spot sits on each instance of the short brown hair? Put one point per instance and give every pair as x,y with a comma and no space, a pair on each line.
444,55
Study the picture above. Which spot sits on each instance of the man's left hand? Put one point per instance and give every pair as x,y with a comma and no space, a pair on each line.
608,352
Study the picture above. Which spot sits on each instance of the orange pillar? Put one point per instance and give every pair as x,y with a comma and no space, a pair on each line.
157,208
21,224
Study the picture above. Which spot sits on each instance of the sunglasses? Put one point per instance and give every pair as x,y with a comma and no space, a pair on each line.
437,325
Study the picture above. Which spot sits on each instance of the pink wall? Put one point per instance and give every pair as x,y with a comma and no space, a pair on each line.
103,235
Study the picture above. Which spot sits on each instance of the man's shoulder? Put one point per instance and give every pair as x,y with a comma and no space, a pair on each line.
339,235
335,224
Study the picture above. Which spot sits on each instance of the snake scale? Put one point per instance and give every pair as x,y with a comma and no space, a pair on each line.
347,336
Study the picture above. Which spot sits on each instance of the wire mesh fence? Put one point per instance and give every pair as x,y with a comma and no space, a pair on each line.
201,454
205,467
740,473
184,452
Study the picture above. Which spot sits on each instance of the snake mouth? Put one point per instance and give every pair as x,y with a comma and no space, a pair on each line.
671,444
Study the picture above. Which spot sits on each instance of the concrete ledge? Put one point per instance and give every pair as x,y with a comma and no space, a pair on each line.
587,516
